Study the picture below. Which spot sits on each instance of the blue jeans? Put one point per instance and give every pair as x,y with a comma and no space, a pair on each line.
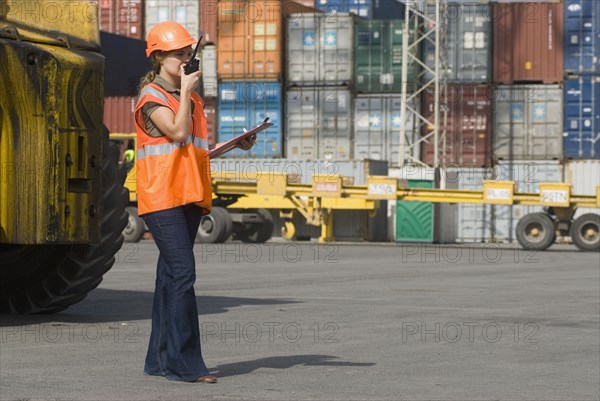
174,349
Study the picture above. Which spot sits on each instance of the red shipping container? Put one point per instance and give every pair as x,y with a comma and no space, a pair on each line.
528,43
122,17
118,114
209,15
468,139
210,111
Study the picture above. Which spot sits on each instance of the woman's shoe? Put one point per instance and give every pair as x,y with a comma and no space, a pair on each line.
206,379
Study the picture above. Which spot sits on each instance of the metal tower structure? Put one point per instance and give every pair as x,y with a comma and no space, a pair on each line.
426,25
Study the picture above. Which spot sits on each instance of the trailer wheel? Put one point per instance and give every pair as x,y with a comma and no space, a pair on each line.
288,230
259,233
215,227
535,231
135,226
585,232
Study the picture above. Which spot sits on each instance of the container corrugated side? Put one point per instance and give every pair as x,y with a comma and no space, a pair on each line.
528,43
582,36
584,177
362,8
118,114
209,16
474,223
468,139
184,12
582,117
319,123
209,71
377,128
378,57
319,49
355,172
244,105
210,112
250,40
527,175
528,122
469,44
122,17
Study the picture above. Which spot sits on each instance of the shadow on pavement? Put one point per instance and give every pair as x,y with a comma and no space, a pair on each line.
281,362
103,305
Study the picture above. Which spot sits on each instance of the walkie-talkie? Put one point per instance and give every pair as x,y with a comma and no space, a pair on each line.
193,64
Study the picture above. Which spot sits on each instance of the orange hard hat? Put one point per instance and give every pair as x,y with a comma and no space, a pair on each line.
166,36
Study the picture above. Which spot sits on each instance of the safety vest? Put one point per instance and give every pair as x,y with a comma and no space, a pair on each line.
170,173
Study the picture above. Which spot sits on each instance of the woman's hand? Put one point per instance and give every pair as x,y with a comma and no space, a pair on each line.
189,82
248,143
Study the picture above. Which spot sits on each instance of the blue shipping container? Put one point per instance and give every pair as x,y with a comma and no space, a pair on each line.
582,36
362,8
244,105
582,117
389,9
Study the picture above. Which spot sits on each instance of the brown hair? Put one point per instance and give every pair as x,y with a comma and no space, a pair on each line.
156,58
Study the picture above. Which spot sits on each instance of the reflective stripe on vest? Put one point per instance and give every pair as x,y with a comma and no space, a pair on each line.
168,148
149,90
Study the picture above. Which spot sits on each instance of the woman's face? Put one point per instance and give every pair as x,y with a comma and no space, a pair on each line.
174,59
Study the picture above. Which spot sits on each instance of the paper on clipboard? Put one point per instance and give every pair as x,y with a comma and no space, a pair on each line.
233,143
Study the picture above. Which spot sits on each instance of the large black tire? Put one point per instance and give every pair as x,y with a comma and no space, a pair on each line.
585,232
135,226
50,278
215,227
535,231
258,233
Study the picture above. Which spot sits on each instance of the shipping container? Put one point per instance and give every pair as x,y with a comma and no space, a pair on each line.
378,57
209,16
184,12
528,122
527,175
118,114
473,222
528,43
319,49
582,36
414,220
319,123
209,71
377,128
584,177
244,105
355,172
468,43
210,111
386,9
582,117
468,138
362,8
122,17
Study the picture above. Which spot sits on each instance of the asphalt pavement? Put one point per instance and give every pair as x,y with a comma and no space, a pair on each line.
307,321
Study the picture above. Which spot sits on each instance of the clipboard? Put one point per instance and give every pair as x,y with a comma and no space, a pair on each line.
233,143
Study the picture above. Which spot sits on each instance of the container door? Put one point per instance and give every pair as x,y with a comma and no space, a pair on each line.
414,220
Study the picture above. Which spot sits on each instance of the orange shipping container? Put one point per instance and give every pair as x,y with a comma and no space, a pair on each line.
528,42
250,37
209,13
121,17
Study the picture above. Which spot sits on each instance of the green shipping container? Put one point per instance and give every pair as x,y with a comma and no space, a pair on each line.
414,220
378,56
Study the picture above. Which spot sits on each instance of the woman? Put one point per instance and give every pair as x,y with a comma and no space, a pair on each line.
174,191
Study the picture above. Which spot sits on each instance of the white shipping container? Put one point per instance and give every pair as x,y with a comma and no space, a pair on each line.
319,124
377,129
209,70
184,12
584,176
528,122
319,49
